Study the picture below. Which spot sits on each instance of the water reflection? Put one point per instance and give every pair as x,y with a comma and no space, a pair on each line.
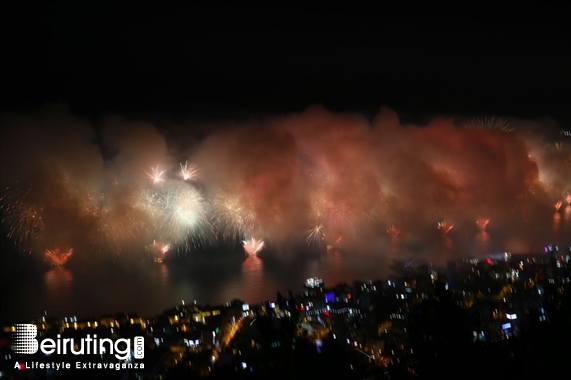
152,287
445,251
483,243
58,291
556,223
332,266
252,276
164,279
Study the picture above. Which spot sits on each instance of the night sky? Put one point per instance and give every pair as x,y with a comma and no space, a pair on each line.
212,59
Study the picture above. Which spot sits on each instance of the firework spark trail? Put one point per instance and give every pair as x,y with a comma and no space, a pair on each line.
315,234
444,227
24,220
253,246
490,122
232,216
158,247
332,246
393,232
189,173
58,256
482,223
156,175
178,211
122,224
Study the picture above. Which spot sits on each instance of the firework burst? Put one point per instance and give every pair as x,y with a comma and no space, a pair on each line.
492,122
332,246
178,211
24,220
482,223
58,256
253,246
158,248
189,172
315,234
232,216
444,227
393,232
156,175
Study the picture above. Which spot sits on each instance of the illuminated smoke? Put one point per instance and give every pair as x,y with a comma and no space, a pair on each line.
339,174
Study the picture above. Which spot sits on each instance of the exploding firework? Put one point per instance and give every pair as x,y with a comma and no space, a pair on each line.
314,173
159,248
315,234
482,223
558,205
189,172
178,211
444,227
156,175
232,216
93,204
58,256
393,232
253,246
332,246
332,209
24,220
492,122
122,224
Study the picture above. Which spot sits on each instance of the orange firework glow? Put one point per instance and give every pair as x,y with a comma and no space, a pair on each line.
58,256
482,223
394,232
445,227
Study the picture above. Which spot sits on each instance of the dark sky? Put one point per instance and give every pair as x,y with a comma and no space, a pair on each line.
219,59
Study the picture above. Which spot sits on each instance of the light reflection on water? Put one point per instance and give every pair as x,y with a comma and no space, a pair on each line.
483,242
148,288
58,290
252,275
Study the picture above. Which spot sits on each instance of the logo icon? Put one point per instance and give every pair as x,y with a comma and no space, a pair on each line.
25,338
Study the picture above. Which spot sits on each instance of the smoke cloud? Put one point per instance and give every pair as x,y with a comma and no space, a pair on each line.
317,179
